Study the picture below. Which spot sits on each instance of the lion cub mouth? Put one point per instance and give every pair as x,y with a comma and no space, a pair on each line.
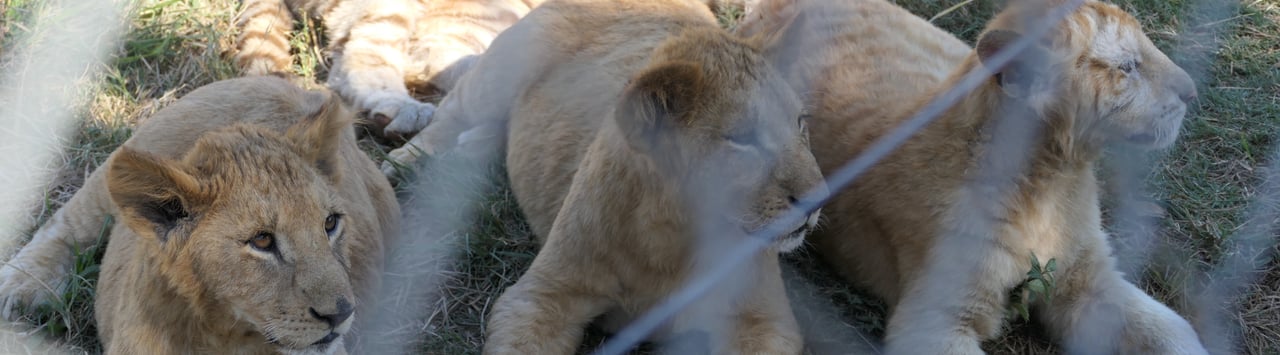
325,346
795,239
328,344
327,338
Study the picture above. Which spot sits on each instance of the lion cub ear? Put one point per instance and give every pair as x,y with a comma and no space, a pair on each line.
658,99
319,135
153,194
785,36
1023,77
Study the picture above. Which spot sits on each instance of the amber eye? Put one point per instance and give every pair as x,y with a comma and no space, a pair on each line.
1130,67
331,223
263,241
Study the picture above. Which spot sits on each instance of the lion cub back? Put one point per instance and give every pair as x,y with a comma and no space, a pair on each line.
924,55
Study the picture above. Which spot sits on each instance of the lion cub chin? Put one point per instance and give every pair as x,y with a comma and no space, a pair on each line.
643,139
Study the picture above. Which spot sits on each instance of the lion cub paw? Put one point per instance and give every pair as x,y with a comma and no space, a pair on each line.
949,344
403,114
26,284
404,156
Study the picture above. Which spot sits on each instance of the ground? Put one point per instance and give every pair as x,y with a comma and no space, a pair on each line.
1205,184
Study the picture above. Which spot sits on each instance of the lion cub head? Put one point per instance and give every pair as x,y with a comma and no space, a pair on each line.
732,136
248,225
1099,67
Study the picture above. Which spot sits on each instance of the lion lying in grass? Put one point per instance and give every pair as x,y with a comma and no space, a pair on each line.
249,223
637,128
907,228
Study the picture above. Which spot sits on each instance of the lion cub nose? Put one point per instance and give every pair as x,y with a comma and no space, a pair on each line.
341,313
1184,86
1187,94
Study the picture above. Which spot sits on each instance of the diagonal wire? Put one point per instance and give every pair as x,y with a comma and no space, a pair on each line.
699,285
1245,255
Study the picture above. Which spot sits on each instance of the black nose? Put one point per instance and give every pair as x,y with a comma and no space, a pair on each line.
792,200
343,312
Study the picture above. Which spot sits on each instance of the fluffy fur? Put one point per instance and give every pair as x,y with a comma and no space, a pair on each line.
247,221
382,49
633,124
937,228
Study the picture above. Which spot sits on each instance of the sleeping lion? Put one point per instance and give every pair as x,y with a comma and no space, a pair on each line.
643,140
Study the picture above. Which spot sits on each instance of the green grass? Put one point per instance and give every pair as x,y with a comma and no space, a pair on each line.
1205,183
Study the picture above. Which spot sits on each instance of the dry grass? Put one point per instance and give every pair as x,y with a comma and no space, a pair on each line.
1205,184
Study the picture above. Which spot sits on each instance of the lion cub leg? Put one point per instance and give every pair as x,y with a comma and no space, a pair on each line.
372,64
956,301
483,97
43,265
748,313
447,129
544,313
1095,311
765,322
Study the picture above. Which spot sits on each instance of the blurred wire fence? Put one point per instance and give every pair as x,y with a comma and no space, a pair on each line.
1134,229
38,92
48,74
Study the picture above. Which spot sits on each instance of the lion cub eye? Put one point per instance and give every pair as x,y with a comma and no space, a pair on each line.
331,223
800,121
263,241
1130,66
747,138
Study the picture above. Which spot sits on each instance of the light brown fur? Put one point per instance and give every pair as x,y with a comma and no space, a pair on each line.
382,49
619,113
907,228
434,137
195,183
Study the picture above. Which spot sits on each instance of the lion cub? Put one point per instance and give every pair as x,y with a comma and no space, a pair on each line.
639,132
249,223
945,226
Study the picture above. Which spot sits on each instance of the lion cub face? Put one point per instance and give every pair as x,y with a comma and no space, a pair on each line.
1108,74
732,137
249,226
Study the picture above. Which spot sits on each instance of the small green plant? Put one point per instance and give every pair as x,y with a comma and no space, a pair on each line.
730,15
1038,284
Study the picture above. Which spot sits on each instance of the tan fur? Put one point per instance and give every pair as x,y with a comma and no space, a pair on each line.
382,49
194,184
619,113
435,137
905,230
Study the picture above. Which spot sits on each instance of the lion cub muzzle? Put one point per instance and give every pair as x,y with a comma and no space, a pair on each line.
795,238
339,320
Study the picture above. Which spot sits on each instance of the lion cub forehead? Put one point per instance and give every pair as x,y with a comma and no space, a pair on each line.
1117,36
249,155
